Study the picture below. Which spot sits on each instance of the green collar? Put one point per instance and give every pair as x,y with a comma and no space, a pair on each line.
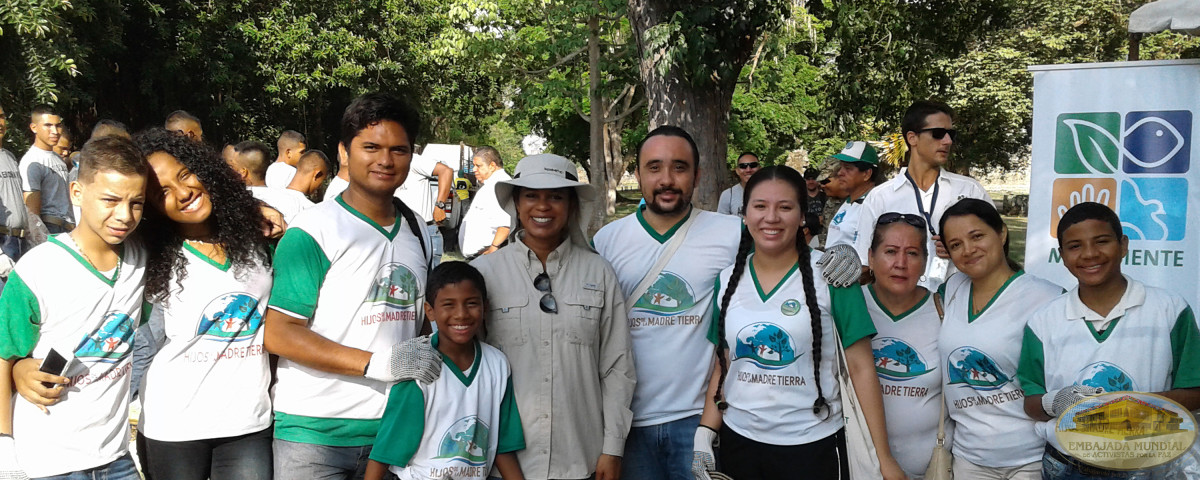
1101,337
92,268
754,275
465,379
390,235
670,232
224,267
971,316
899,316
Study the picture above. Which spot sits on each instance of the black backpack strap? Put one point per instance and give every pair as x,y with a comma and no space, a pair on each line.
411,219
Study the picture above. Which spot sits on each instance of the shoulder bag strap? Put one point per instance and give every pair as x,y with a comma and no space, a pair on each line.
672,246
941,438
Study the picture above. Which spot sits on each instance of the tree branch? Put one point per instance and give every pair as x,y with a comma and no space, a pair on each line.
559,63
635,107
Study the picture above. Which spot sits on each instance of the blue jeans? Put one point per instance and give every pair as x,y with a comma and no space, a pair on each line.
306,461
244,457
660,452
435,237
119,469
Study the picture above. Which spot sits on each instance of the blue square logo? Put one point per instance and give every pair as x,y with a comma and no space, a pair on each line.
1157,142
1154,208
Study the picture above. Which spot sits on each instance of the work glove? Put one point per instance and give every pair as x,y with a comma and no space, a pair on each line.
1055,402
8,460
412,359
703,459
840,265
6,265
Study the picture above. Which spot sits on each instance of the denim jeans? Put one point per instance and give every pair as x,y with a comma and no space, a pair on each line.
244,457
119,469
660,452
435,237
306,461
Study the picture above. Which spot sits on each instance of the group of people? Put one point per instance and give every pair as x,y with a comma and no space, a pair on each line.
551,355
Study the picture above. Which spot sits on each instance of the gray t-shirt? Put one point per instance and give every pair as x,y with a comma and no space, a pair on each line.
12,201
43,171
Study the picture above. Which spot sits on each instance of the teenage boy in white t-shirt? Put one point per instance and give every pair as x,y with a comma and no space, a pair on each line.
347,290
467,420
82,426
1110,333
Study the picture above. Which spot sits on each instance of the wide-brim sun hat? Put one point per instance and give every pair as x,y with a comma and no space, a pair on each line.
548,171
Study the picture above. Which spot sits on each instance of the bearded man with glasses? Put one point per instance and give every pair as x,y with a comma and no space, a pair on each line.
730,202
922,187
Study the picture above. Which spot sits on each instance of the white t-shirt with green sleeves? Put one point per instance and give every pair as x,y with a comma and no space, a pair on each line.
770,387
56,299
910,378
455,426
1152,346
359,284
669,324
979,356
211,354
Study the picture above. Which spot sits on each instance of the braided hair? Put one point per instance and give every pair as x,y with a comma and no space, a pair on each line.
745,245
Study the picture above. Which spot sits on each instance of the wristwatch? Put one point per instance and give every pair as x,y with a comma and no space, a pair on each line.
441,205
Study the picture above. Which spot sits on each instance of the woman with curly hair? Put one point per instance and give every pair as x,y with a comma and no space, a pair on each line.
206,411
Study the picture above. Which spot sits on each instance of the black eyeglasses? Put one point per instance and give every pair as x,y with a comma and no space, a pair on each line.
893,217
542,284
938,133
746,165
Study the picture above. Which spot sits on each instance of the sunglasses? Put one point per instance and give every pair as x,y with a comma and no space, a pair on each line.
746,165
542,284
893,217
939,133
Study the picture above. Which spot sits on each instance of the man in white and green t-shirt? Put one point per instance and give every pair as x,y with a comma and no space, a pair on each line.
669,320
78,295
1111,333
347,290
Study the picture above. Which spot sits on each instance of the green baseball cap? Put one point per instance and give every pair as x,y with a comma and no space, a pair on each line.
858,152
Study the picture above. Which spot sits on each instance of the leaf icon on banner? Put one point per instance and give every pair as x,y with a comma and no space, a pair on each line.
1091,143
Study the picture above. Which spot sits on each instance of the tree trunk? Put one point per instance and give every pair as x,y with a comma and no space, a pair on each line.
597,174
699,107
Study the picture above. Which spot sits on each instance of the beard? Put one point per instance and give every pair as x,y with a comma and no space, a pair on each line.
680,206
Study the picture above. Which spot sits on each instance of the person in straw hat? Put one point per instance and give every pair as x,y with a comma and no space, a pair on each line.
559,315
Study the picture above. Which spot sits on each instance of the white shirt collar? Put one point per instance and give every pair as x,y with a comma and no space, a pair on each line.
1135,295
903,182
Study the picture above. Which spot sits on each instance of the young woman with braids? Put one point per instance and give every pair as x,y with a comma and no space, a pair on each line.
206,411
988,303
780,414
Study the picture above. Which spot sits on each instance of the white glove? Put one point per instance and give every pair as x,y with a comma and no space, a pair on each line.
840,265
8,461
412,359
703,459
1055,402
6,265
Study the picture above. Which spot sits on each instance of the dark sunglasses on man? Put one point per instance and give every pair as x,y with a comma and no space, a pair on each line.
938,133
744,166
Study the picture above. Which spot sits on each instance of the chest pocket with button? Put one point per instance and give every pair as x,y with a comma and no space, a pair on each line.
582,317
505,325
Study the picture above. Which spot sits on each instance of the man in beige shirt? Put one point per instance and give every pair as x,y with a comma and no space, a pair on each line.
558,314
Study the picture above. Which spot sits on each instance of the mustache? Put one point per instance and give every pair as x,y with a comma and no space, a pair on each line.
668,190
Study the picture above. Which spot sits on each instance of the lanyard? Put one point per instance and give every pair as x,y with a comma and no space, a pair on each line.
920,207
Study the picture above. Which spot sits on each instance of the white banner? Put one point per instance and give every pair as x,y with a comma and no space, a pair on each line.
1120,134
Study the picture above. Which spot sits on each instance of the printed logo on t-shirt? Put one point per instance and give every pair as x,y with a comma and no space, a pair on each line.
766,345
1107,376
111,342
969,366
396,286
790,307
837,219
669,295
230,317
896,360
466,441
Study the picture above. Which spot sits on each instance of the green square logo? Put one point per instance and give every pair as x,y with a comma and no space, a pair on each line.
1087,143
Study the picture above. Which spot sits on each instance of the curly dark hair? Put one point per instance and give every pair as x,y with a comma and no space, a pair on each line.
236,219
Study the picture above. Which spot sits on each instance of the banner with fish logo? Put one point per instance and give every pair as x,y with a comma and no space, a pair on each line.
1120,134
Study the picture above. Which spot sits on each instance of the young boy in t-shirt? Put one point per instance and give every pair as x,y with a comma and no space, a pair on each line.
1110,333
466,420
78,295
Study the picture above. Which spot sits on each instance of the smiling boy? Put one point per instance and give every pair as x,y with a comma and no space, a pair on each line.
93,321
1084,342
